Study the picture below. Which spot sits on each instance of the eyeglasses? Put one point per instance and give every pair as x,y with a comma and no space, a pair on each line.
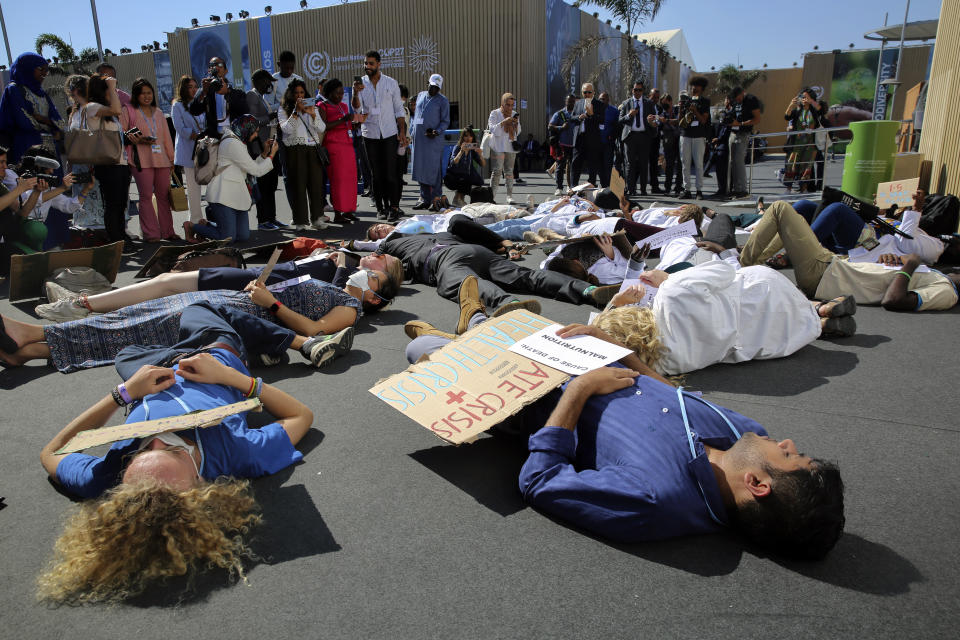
588,93
640,89
371,274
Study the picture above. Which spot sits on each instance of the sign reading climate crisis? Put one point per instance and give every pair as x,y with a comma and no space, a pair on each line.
474,382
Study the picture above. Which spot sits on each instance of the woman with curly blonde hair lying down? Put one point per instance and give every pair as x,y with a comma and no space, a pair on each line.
170,504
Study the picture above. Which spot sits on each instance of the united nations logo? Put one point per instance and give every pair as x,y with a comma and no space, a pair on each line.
424,55
316,65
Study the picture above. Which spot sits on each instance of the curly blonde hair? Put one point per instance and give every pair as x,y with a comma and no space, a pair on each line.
635,328
113,548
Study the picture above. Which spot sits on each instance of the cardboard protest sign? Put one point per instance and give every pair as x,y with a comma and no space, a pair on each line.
271,263
617,185
898,192
174,251
104,435
657,240
473,383
27,272
576,355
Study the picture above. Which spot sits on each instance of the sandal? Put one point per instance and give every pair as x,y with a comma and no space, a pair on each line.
779,261
839,327
844,305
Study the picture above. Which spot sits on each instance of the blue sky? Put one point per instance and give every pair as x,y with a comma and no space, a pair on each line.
775,32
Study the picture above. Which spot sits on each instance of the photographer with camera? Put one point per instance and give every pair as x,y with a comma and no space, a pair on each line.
719,159
465,168
694,124
803,114
210,102
13,211
46,224
259,100
668,117
562,128
746,115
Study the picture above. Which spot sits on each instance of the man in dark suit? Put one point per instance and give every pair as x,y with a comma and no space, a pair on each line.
638,119
258,105
588,141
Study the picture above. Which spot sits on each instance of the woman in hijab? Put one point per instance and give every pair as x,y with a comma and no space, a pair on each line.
228,199
27,113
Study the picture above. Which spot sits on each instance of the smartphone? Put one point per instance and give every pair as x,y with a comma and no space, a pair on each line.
132,131
357,79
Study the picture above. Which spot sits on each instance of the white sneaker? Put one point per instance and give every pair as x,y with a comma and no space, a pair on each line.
322,350
319,224
61,310
268,360
57,292
510,200
558,192
301,227
531,203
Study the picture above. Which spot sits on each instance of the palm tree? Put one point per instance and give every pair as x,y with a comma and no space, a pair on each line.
729,76
66,60
631,13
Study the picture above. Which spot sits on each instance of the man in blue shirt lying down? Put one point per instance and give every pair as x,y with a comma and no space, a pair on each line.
623,453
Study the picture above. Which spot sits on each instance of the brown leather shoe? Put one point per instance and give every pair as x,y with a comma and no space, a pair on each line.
470,304
533,306
417,328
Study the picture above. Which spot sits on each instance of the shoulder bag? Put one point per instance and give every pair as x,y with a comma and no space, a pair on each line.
93,146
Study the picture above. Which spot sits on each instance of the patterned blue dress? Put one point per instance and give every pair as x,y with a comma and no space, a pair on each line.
96,340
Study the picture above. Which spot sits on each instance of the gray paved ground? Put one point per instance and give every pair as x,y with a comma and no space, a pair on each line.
385,532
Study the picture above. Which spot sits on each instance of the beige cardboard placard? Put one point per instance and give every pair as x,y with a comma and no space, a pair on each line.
27,272
104,435
617,185
271,263
898,192
474,382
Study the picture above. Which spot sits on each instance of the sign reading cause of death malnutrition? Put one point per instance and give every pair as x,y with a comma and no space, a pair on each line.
657,240
575,355
202,419
474,382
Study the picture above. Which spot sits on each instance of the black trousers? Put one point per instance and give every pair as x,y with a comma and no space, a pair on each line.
565,155
114,182
267,204
202,324
382,155
497,274
722,230
653,162
638,158
589,152
673,168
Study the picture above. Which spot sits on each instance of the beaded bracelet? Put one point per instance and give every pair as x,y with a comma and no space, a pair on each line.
116,397
904,273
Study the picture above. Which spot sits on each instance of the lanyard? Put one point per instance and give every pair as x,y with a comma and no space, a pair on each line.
186,409
150,122
693,450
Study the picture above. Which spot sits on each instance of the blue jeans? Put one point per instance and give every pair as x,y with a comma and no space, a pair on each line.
231,223
837,227
430,191
511,229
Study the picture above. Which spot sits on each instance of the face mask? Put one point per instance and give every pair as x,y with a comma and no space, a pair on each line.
173,440
360,279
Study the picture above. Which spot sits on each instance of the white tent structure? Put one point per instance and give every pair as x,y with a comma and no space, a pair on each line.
676,44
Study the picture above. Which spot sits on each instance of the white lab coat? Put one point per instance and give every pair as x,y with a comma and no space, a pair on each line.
229,187
926,247
716,313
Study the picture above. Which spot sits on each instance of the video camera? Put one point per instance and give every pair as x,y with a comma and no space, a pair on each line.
36,167
868,212
216,84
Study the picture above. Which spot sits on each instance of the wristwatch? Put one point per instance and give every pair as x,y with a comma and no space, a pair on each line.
275,307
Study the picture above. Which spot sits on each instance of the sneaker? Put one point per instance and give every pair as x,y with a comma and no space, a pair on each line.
531,203
55,292
600,296
417,328
268,360
319,224
393,215
279,225
301,227
533,306
510,200
686,195
558,192
322,350
267,226
520,181
381,214
62,310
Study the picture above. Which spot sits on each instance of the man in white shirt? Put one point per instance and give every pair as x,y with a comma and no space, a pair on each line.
377,99
283,78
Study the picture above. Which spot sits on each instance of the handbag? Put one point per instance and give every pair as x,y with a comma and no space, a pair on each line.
485,143
178,194
93,146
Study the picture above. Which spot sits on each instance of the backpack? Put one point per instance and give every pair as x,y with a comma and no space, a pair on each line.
205,157
940,215
198,259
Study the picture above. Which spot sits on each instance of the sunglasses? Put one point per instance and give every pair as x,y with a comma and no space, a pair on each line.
588,93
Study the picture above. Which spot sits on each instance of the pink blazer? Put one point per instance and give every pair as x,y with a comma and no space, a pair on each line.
159,128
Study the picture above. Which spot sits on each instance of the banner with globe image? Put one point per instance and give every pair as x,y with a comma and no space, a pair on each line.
225,41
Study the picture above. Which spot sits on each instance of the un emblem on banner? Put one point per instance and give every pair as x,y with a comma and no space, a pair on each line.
424,55
316,65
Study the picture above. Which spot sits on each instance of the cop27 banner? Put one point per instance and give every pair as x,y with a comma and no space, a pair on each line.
161,66
475,382
225,41
563,29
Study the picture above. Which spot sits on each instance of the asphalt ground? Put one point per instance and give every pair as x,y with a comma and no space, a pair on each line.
384,531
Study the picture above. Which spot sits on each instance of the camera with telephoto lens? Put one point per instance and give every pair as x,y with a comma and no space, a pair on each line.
82,177
868,212
36,167
215,82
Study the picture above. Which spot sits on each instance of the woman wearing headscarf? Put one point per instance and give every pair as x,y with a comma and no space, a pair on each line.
228,199
26,111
